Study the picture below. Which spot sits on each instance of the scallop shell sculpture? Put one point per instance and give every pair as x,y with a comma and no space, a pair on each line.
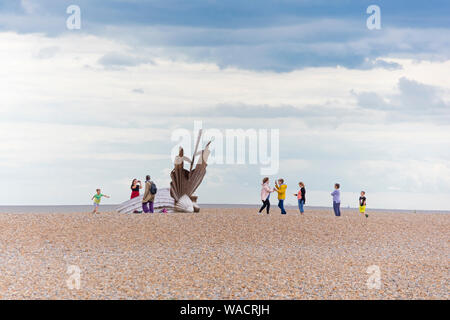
185,182
180,197
184,204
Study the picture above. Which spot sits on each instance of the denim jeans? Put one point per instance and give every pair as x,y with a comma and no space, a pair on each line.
300,205
337,208
281,206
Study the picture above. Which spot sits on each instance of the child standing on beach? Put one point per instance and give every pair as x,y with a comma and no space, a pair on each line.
280,188
97,198
362,204
265,195
337,200
301,197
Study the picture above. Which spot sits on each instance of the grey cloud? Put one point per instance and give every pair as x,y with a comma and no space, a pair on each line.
326,115
286,48
242,110
381,64
138,90
114,60
414,101
281,37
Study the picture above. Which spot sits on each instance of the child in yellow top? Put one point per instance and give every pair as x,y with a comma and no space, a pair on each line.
280,188
363,203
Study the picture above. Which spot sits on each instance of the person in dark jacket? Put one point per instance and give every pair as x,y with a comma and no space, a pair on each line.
301,196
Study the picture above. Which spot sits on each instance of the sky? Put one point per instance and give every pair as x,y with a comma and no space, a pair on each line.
97,106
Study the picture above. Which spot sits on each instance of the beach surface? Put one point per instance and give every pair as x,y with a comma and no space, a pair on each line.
224,254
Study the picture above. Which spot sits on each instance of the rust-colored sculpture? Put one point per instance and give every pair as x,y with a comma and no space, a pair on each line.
185,182
180,196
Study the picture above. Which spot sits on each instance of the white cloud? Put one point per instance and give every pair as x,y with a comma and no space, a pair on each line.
36,142
67,106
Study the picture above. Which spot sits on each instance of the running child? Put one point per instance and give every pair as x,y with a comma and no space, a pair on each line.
97,198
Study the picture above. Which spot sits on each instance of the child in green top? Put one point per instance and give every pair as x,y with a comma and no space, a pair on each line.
97,198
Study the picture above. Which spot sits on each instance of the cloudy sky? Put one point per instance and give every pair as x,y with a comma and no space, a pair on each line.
96,107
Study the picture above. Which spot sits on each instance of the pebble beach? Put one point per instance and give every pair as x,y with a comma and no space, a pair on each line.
225,254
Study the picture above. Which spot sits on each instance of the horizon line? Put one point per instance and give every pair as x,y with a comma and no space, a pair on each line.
236,205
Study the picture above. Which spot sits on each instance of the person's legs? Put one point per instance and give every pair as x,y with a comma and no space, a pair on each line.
145,207
281,206
300,205
362,209
337,209
263,206
267,205
151,206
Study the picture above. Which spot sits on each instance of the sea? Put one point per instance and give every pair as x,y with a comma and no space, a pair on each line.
64,209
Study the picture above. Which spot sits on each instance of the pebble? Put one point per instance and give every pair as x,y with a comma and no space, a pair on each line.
224,254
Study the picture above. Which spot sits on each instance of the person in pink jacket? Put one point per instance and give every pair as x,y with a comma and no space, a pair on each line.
265,195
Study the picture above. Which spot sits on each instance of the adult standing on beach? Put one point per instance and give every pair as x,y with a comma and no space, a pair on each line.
149,195
136,185
265,195
337,200
301,197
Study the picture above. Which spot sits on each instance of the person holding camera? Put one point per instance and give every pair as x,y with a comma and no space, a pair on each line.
136,185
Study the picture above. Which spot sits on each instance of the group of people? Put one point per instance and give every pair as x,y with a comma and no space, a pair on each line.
280,188
266,190
149,194
136,186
